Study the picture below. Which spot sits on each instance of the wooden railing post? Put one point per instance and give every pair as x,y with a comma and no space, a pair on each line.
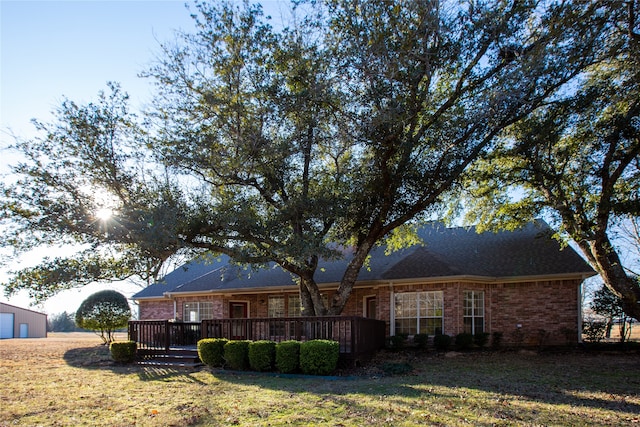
167,336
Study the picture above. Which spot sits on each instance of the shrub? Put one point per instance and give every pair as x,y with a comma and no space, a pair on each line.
288,356
442,342
123,352
397,341
211,351
421,340
236,354
481,339
594,331
262,355
464,341
319,357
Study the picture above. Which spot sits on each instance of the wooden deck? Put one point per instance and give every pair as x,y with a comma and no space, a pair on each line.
358,337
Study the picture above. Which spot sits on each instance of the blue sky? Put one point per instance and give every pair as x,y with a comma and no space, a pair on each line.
54,49
72,48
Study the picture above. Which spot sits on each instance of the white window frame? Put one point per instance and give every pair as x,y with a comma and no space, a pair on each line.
198,307
438,310
475,308
272,309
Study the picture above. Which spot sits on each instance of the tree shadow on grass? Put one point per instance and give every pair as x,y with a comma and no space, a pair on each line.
99,358
576,380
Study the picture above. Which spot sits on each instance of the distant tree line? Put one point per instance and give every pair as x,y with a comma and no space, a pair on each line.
62,322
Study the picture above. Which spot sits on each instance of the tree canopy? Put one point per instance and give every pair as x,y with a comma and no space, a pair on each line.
289,145
104,312
577,160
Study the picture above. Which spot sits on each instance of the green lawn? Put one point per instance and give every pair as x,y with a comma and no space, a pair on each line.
71,381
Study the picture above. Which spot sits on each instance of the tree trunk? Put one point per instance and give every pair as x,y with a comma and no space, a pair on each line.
349,278
312,305
605,260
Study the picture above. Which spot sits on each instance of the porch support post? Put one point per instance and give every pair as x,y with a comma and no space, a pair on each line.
167,336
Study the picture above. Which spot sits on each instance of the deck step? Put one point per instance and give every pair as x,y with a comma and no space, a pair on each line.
173,358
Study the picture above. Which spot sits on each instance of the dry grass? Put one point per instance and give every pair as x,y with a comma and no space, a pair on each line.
69,379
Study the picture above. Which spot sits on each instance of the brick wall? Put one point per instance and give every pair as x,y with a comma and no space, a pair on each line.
155,310
530,313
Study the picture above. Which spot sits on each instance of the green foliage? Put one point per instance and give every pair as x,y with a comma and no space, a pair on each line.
61,322
481,339
398,341
319,357
575,161
104,311
211,351
607,304
421,340
594,330
288,356
442,342
123,352
463,341
256,149
262,355
236,354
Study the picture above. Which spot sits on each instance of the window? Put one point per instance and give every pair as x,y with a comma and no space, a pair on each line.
276,309
474,312
294,309
276,306
197,311
418,313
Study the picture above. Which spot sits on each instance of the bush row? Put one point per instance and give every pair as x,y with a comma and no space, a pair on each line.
443,342
316,357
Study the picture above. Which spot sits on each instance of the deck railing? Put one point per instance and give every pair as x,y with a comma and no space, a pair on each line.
357,336
164,334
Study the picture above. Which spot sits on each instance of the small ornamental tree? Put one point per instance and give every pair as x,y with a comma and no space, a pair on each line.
104,312
611,306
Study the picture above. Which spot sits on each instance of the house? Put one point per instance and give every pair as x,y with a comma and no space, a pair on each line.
520,283
16,322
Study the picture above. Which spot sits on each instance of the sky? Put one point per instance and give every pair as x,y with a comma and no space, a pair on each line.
50,50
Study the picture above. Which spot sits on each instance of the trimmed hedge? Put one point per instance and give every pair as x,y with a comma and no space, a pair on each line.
464,341
288,356
123,352
319,357
421,340
262,355
236,354
211,351
441,342
481,339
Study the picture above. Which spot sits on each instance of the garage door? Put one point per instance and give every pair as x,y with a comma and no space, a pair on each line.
6,325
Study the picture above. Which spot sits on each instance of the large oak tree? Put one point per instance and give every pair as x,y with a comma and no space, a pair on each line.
578,161
276,145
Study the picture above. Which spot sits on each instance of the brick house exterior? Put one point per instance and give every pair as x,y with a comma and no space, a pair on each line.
520,283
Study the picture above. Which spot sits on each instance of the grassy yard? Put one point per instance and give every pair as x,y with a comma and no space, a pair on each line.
69,379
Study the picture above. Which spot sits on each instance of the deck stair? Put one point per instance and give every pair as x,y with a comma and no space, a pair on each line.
176,357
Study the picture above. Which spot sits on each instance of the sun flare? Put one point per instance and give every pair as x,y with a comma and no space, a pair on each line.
104,214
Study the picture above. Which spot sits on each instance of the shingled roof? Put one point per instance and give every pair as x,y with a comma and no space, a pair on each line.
445,253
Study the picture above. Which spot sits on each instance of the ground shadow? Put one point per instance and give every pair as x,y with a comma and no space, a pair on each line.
579,380
99,358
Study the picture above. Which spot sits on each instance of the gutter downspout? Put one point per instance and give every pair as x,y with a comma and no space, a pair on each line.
175,306
580,313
